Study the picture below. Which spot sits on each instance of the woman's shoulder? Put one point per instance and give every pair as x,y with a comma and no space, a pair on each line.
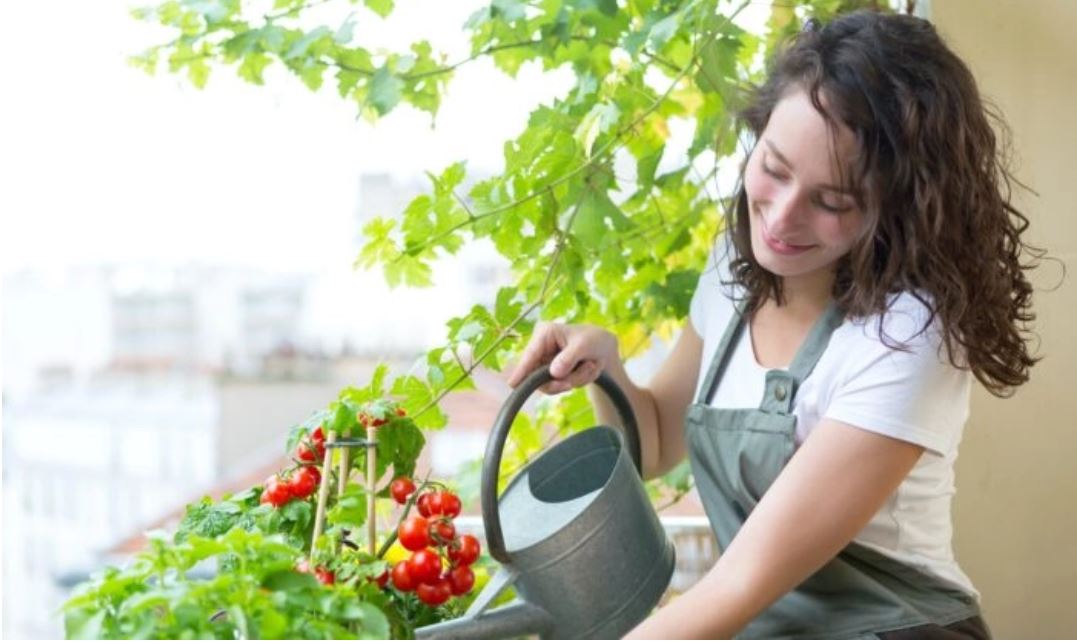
908,320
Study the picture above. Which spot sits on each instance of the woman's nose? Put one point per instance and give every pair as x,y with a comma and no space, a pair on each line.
785,210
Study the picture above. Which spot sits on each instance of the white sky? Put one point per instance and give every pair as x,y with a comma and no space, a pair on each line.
102,163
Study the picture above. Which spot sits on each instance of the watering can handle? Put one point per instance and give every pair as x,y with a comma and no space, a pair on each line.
491,466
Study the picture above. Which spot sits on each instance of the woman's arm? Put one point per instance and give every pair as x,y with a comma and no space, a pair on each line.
661,406
577,353
838,479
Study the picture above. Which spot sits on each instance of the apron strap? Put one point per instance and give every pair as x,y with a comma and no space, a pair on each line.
781,385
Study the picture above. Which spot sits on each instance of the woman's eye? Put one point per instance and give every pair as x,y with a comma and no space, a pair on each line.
836,208
773,174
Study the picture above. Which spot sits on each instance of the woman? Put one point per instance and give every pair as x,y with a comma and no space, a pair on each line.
870,268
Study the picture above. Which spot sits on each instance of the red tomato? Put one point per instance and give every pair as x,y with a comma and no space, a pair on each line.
462,579
402,578
443,530
304,453
304,481
466,551
413,533
434,593
276,492
372,422
449,503
401,489
325,576
424,566
429,504
382,579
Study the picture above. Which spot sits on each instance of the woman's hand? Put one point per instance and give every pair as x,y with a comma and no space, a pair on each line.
576,354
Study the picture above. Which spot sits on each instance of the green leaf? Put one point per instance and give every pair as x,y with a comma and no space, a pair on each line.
410,271
84,624
506,307
377,381
375,624
384,90
381,7
595,210
298,511
289,580
300,46
675,295
311,75
345,32
663,30
343,421
272,625
380,247
198,73
252,67
350,509
597,121
416,394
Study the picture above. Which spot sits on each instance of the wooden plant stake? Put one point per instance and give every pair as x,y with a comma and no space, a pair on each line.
323,491
371,461
344,468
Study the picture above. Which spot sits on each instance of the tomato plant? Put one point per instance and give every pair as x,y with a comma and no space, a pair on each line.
270,578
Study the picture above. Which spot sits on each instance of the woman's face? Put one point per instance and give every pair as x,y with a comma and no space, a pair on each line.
802,220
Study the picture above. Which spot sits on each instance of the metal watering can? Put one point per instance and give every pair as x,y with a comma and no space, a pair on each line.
575,533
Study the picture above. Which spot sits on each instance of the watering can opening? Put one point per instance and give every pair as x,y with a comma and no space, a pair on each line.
575,467
558,487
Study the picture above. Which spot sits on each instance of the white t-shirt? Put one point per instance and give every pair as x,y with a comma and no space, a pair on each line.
915,396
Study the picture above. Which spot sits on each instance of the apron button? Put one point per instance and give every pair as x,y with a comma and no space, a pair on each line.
779,393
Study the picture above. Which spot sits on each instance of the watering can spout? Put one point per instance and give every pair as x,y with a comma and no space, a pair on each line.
509,621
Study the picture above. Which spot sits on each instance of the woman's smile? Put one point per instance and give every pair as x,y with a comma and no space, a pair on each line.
781,247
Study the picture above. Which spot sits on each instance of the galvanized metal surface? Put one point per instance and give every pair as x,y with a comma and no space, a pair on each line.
576,534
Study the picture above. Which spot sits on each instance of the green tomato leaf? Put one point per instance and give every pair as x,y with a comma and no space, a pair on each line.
84,624
350,509
289,580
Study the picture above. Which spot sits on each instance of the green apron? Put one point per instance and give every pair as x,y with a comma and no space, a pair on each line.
736,453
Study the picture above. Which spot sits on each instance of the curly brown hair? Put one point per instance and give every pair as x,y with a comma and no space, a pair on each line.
930,176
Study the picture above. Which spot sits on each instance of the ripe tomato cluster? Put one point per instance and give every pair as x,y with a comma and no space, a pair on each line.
431,537
301,483
315,450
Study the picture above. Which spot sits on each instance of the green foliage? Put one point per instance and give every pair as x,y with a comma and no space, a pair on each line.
162,595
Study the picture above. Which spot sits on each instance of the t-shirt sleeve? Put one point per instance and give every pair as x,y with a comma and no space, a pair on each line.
915,395
698,309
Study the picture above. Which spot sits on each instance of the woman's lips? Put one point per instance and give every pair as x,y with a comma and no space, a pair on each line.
785,249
